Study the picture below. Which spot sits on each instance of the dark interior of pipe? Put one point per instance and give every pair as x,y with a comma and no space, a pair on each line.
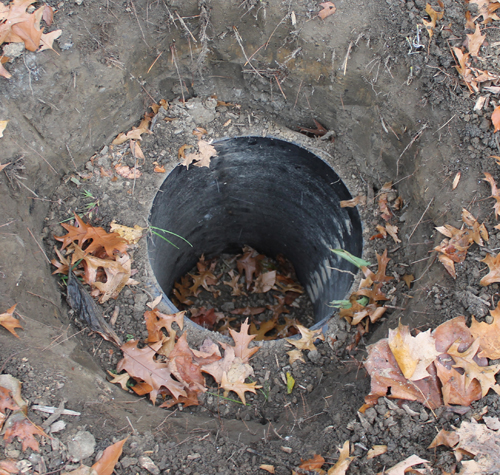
273,195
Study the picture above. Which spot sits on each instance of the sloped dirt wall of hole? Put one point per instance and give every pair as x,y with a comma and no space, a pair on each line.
62,108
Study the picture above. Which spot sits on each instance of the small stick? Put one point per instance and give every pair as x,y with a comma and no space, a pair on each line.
139,23
71,156
445,124
279,85
130,423
298,92
421,217
185,27
417,136
344,66
43,298
239,40
40,247
341,270
174,60
154,62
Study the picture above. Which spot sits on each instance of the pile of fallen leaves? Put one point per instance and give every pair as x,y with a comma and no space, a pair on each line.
19,26
447,366
247,274
98,257
164,367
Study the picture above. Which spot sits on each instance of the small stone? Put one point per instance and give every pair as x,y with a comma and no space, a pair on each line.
148,464
128,461
81,446
12,453
489,319
423,415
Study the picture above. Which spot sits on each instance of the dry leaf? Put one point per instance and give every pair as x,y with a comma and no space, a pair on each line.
265,282
121,379
393,232
489,335
8,321
445,437
376,450
202,157
401,467
130,235
358,200
343,462
127,172
413,354
408,278
295,355
495,119
22,428
238,387
493,262
136,150
435,16
159,169
475,42
308,338
47,39
313,464
482,443
106,464
267,468
456,180
328,8
3,124
241,342
4,73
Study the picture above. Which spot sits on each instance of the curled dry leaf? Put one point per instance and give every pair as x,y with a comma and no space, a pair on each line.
493,262
449,438
106,464
343,462
312,464
456,180
358,200
159,169
328,8
376,450
435,16
400,468
267,468
393,232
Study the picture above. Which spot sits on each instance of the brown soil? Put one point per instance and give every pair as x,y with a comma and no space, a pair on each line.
352,72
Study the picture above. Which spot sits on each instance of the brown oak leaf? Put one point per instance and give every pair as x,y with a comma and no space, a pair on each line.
308,337
22,428
241,341
493,262
8,321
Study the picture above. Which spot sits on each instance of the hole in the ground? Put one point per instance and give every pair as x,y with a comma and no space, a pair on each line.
271,194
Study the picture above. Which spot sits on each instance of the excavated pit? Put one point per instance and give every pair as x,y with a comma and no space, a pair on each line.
273,195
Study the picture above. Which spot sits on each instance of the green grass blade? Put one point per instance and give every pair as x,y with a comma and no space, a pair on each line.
170,232
357,261
164,238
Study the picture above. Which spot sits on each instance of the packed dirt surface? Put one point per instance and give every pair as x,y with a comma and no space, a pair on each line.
398,111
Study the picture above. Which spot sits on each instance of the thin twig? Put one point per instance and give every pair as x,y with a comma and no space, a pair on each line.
154,62
43,298
174,60
298,92
344,66
279,85
445,124
185,27
139,23
421,217
239,40
40,247
342,270
416,137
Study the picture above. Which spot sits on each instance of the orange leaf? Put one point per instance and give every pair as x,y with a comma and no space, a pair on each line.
159,169
9,322
106,464
312,464
6,400
240,388
495,119
22,428
489,335
241,342
445,437
328,8
475,41
493,262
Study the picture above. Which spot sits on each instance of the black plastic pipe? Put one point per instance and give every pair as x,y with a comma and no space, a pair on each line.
271,194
